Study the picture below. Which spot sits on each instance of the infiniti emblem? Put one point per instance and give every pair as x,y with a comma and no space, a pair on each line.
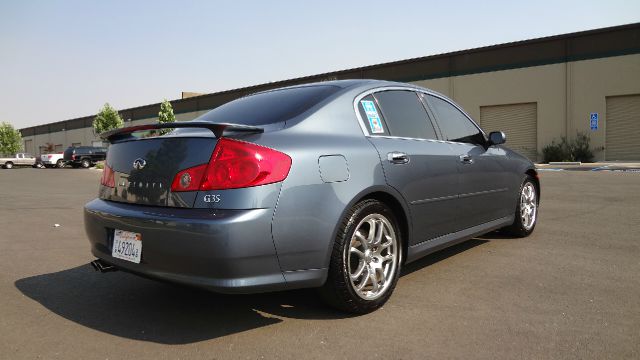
139,163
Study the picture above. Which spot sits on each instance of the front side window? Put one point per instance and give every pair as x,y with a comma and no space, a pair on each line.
455,125
405,115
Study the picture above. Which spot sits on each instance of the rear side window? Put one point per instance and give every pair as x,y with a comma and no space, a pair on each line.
405,115
270,107
455,125
371,115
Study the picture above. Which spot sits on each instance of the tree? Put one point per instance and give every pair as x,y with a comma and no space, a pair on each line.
107,119
10,139
166,115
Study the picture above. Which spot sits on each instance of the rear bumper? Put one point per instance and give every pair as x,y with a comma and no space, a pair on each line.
50,162
229,251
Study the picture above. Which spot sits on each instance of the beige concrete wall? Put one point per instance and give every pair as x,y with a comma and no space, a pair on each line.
442,85
565,95
86,136
65,138
544,85
593,81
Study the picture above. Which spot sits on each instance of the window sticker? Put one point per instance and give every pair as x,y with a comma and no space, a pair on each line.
372,114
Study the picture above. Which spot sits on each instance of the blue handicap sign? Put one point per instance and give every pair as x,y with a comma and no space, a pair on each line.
594,121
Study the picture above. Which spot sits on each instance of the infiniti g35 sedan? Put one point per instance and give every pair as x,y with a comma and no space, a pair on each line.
333,185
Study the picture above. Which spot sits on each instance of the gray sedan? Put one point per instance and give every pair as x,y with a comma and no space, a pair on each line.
333,185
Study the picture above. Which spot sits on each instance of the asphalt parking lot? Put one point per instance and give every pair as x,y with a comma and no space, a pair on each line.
570,291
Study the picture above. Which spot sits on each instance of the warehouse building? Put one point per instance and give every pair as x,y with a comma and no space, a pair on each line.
535,91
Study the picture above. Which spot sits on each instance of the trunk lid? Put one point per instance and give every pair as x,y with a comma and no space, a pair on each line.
144,169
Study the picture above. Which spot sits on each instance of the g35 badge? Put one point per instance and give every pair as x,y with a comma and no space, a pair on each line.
212,198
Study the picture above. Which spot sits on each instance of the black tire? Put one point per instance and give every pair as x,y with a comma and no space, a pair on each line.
340,290
85,163
8,165
520,228
60,164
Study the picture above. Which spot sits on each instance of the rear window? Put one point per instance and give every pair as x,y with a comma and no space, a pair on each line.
270,107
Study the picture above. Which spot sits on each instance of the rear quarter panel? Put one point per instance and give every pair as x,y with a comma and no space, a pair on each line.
309,210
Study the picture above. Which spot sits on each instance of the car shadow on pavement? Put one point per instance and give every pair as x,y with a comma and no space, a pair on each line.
132,307
136,308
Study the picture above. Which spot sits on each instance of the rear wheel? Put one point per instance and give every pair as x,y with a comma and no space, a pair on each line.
85,163
8,165
60,163
526,214
366,258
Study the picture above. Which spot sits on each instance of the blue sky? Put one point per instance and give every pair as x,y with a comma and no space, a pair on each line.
65,59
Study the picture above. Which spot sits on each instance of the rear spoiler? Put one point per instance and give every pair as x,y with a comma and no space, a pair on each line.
217,129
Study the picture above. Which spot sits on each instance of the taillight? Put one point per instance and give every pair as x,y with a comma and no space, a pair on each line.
73,157
108,177
235,164
189,179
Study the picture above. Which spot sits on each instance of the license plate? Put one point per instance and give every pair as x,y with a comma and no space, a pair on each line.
127,245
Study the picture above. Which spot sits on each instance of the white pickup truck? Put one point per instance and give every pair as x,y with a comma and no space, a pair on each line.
19,159
53,160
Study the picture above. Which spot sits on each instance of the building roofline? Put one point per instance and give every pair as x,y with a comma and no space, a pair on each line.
582,45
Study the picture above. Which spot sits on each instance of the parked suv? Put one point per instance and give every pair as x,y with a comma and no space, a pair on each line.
85,156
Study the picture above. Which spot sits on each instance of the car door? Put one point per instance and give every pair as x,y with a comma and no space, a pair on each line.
417,164
29,159
20,159
483,177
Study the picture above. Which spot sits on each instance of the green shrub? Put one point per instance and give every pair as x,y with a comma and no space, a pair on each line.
574,150
581,151
557,151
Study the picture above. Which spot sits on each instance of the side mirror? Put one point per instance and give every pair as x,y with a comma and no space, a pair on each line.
497,138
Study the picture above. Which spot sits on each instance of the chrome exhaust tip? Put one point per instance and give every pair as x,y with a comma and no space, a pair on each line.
103,267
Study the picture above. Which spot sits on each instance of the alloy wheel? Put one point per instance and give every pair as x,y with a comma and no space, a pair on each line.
528,206
372,257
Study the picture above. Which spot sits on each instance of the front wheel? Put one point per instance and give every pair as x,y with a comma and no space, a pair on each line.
366,258
60,164
526,214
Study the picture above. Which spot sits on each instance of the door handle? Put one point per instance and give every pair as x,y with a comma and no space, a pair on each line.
466,159
396,157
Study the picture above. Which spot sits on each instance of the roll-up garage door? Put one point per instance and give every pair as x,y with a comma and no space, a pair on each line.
28,146
622,128
518,121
